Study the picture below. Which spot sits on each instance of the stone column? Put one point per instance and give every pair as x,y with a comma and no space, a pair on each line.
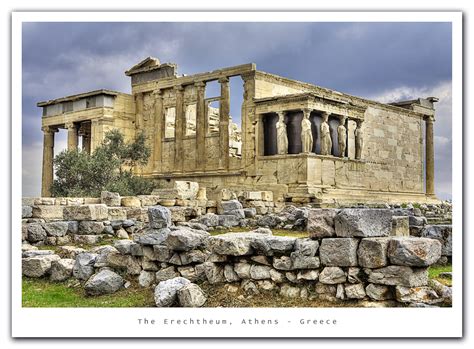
86,143
224,111
138,111
180,124
158,94
429,142
200,126
359,140
249,161
48,155
72,136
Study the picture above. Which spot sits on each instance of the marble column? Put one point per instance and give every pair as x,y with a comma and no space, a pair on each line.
200,126
158,139
180,125
429,142
359,140
48,155
224,112
139,111
72,136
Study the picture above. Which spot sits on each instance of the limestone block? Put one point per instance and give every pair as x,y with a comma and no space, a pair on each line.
69,252
56,228
269,245
90,227
378,292
229,221
242,270
36,232
442,233
193,256
226,195
86,212
159,217
321,223
87,239
332,276
124,246
45,201
61,269
25,201
398,275
306,247
339,252
231,207
416,295
214,272
282,263
47,212
355,291
289,291
185,239
124,262
84,265
148,200
138,213
260,272
191,295
413,251
89,201
116,213
26,211
267,196
38,266
166,292
146,278
253,195
363,222
400,226
130,201
307,275
109,198
372,252
167,202
152,236
299,261
166,274
201,194
234,244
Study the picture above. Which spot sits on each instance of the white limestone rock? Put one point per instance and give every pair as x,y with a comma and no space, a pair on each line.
413,251
166,292
369,222
192,296
61,269
339,252
104,282
159,217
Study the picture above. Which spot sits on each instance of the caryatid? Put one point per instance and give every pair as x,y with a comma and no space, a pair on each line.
282,137
326,142
342,136
306,134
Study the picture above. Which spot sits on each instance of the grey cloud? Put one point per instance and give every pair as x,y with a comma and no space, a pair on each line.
364,59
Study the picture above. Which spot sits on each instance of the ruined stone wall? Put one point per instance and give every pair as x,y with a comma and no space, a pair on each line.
351,255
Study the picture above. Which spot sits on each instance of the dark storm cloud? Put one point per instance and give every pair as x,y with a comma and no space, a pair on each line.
365,59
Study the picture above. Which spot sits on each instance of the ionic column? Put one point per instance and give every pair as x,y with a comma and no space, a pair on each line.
139,111
180,124
200,126
429,142
48,155
72,136
158,94
359,140
224,111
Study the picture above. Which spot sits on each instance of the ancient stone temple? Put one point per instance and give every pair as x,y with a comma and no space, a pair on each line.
305,143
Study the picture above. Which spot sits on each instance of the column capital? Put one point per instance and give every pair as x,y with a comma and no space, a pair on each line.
178,88
49,129
282,113
223,79
157,92
248,75
306,112
200,84
138,95
70,125
430,119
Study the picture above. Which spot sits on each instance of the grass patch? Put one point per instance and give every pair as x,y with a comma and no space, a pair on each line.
276,232
46,294
434,271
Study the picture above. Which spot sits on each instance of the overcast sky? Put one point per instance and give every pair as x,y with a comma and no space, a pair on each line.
382,61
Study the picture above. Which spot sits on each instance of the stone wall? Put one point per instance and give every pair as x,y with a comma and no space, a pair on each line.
351,254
